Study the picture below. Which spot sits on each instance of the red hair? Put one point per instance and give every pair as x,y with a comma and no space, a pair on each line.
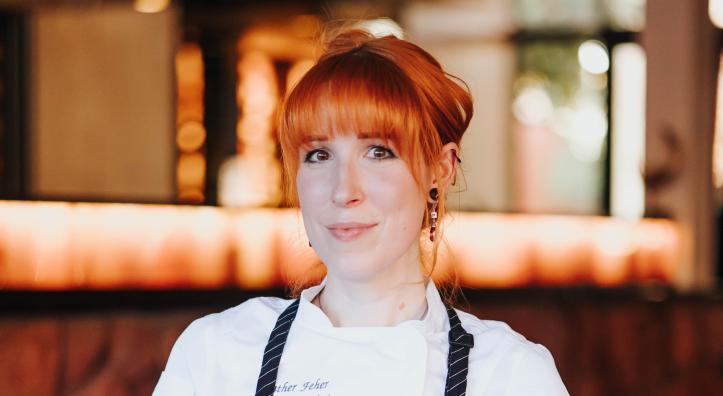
379,86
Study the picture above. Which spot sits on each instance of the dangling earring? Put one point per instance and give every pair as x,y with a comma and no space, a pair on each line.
309,243
433,213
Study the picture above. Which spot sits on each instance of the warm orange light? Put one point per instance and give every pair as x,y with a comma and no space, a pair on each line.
255,264
191,133
55,245
659,244
488,251
189,77
191,195
191,136
289,41
561,247
252,177
150,6
296,71
191,170
718,132
256,93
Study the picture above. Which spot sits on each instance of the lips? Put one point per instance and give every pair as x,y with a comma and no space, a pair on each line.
349,231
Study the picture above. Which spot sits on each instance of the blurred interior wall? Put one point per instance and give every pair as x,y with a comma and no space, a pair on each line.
680,44
470,40
100,84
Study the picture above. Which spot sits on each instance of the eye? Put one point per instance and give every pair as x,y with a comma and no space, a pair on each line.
380,152
317,155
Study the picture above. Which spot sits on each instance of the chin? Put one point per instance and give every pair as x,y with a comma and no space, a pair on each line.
354,269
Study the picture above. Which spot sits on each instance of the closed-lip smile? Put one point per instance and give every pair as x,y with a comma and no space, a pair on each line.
348,231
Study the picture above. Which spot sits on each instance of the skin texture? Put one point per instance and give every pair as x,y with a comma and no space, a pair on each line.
377,278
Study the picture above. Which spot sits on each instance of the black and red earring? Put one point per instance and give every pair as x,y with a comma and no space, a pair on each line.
434,195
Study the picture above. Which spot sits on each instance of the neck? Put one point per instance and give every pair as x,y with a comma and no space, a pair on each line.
383,301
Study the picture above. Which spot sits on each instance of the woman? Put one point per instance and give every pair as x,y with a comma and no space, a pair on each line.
370,137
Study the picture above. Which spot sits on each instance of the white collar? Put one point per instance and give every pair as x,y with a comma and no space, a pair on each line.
435,320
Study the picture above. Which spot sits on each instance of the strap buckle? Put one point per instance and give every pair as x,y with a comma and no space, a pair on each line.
461,338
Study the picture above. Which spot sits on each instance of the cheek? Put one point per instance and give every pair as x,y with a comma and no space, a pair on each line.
397,196
311,193
310,189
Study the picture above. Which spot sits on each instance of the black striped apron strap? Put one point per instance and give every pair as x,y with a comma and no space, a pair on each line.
460,342
266,384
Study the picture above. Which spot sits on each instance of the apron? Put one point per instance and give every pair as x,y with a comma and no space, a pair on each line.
460,342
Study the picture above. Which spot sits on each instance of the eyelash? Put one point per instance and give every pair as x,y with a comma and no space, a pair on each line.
390,153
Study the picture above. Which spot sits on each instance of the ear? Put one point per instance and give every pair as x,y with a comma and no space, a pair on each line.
445,167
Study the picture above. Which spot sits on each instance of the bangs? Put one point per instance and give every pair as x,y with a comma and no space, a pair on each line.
361,94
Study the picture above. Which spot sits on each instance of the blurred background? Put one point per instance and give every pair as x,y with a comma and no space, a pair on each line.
140,179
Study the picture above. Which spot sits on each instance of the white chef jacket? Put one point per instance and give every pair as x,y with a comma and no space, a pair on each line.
220,354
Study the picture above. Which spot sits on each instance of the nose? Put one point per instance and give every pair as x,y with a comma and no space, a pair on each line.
347,191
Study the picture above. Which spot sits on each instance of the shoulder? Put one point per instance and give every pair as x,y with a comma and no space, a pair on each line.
240,330
492,336
252,317
519,366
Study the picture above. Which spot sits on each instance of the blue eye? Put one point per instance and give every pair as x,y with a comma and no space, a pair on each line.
323,156
381,152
